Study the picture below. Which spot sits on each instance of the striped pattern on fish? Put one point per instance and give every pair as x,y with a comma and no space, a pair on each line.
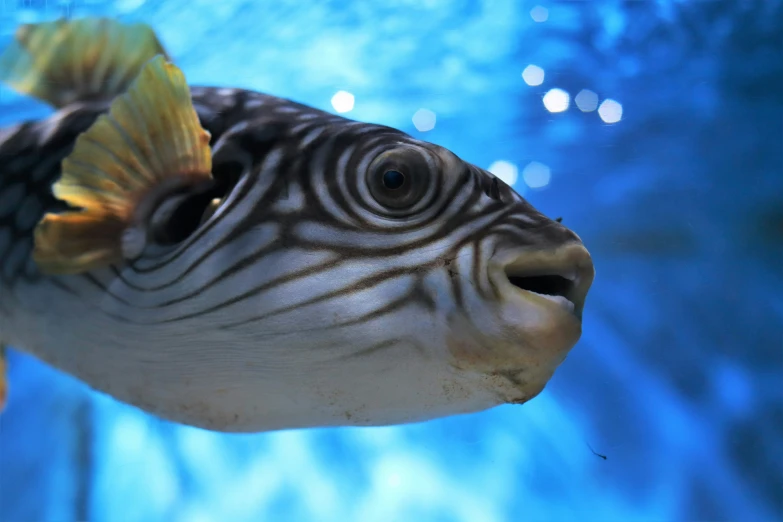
313,295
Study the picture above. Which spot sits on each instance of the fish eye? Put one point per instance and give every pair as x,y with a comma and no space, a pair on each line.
393,179
399,179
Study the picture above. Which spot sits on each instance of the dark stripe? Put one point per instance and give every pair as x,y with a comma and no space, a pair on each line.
384,345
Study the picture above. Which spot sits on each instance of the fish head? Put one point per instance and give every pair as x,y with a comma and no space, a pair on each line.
528,289
376,258
401,241
507,284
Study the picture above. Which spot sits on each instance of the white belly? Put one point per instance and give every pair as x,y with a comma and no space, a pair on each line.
287,371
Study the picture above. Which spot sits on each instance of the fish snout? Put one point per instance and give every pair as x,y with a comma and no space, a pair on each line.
562,275
535,320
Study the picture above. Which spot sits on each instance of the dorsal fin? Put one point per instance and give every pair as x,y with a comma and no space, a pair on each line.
66,61
149,146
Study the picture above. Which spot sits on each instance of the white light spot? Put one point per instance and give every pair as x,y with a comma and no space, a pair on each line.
342,101
556,100
424,120
536,175
506,171
130,434
125,6
586,100
610,111
539,14
533,75
393,480
26,16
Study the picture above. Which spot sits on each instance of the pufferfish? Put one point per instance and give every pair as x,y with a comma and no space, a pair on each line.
240,262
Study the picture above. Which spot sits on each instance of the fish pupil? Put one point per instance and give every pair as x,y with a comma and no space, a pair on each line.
393,179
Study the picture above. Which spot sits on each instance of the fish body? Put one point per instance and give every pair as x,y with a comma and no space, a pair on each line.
299,269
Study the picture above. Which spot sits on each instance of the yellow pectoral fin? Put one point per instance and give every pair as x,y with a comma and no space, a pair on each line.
65,61
150,143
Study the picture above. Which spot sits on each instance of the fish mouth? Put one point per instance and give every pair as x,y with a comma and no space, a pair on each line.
559,278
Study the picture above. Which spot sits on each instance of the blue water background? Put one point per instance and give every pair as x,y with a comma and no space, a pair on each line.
677,379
